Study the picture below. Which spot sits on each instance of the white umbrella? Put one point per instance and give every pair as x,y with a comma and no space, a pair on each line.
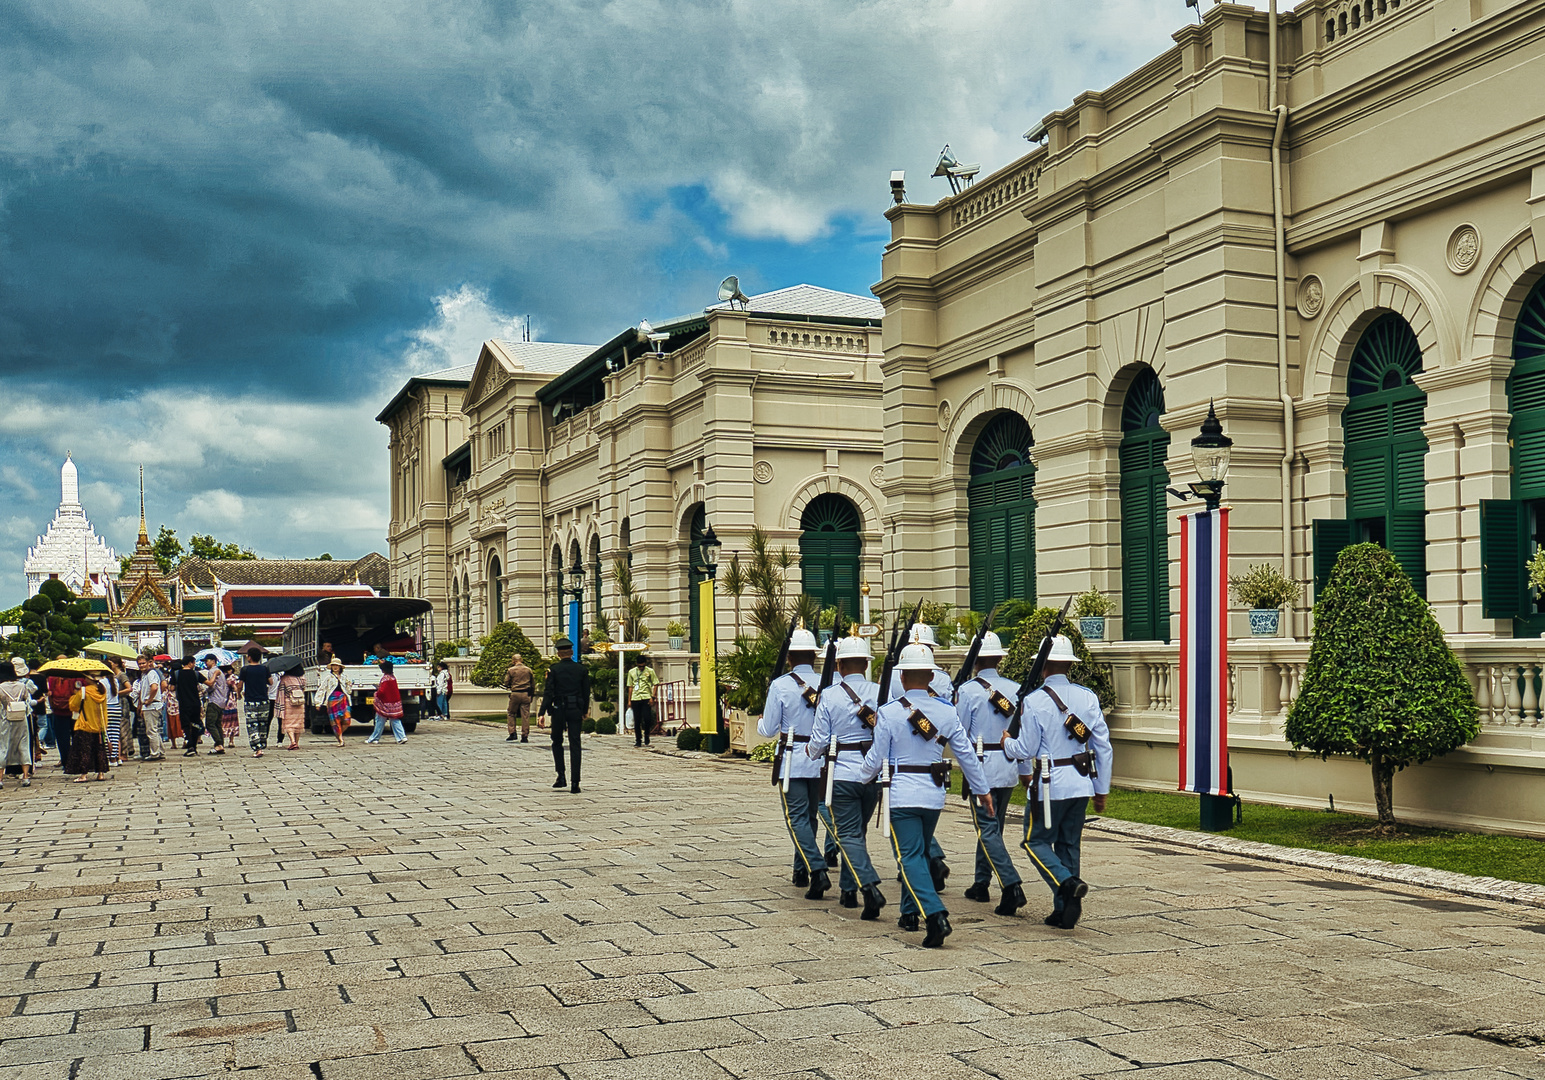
222,656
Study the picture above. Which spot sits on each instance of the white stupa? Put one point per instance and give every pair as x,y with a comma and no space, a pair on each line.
71,550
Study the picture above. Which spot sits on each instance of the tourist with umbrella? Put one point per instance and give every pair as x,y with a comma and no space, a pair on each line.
290,697
88,735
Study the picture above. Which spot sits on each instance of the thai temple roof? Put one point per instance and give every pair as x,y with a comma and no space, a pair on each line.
70,550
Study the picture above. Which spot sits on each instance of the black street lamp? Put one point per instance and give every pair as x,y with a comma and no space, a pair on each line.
709,547
1210,453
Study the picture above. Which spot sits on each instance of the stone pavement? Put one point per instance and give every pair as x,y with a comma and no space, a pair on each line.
435,910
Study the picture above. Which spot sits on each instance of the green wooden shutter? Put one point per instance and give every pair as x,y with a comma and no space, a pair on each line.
829,548
1329,536
1144,522
1408,544
1001,519
1504,548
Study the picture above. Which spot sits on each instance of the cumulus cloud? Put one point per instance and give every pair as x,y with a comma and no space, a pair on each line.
225,229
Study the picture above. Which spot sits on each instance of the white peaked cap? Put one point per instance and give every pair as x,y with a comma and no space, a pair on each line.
991,646
915,657
922,634
853,648
802,641
1062,649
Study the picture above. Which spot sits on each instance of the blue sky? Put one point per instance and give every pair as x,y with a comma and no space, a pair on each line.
229,231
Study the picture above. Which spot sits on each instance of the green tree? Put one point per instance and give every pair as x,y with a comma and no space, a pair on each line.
1087,672
204,546
1382,684
52,622
503,642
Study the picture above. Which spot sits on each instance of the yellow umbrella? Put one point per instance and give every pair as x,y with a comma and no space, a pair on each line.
75,665
111,648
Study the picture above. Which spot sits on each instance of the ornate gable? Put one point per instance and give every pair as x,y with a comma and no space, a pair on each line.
147,603
489,375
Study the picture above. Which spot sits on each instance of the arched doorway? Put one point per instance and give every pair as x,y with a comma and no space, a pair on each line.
560,621
697,525
595,578
1144,524
495,591
466,606
1385,454
828,551
1511,529
1000,498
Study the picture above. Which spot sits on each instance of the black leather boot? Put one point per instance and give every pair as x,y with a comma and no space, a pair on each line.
978,892
849,898
801,878
1073,891
831,860
819,883
940,871
939,928
874,900
1013,900
908,922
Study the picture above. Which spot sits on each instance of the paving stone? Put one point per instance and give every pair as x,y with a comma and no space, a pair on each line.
437,933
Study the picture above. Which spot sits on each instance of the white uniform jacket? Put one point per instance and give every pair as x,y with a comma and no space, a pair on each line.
940,685
786,711
1041,733
896,742
982,720
838,711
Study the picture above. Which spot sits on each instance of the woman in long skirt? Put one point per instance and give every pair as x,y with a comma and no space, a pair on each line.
88,742
290,703
332,694
230,715
173,720
112,685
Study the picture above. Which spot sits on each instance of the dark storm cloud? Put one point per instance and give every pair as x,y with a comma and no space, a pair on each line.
254,207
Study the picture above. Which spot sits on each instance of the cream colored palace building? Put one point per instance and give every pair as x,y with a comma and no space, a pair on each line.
1333,229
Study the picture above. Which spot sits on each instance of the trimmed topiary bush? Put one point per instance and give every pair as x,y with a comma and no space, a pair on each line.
689,738
503,642
1381,683
587,725
763,751
606,726
1086,672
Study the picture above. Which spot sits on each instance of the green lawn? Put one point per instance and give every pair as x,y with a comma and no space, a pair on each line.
1511,858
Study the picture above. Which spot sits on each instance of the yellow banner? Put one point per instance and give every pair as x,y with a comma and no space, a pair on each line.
707,651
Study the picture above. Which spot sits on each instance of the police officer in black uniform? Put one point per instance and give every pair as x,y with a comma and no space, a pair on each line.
565,701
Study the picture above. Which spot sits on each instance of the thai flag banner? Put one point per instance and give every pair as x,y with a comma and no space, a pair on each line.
1204,652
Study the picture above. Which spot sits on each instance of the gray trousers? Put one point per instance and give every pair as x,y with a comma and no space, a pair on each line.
1055,851
992,858
853,804
799,806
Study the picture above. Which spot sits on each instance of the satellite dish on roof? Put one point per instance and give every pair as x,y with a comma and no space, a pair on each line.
729,291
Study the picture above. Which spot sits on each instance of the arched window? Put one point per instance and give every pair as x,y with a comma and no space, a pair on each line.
1144,524
1385,453
1511,529
455,612
595,577
495,592
696,572
578,626
1000,497
625,540
466,606
828,551
560,621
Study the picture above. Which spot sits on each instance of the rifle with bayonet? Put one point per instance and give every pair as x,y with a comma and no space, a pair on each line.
968,668
828,676
899,637
1032,678
785,740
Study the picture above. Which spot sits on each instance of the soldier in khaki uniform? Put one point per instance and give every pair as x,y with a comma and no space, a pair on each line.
521,684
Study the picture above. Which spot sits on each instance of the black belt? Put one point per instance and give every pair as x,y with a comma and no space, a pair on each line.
801,738
928,769
986,746
862,747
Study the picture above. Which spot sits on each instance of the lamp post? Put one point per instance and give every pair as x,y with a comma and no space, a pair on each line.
1204,636
715,739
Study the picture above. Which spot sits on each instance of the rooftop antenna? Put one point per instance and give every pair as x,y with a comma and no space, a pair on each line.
528,328
959,176
729,292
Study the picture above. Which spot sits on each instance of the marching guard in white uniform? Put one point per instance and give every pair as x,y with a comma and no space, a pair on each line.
986,704
788,716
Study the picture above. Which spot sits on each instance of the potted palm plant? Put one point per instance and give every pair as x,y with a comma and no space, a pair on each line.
1265,591
828,622
1090,609
676,632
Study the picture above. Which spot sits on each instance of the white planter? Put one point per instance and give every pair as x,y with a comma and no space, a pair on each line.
676,642
1092,627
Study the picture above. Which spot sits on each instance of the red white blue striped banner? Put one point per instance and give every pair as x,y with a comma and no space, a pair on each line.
1204,652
